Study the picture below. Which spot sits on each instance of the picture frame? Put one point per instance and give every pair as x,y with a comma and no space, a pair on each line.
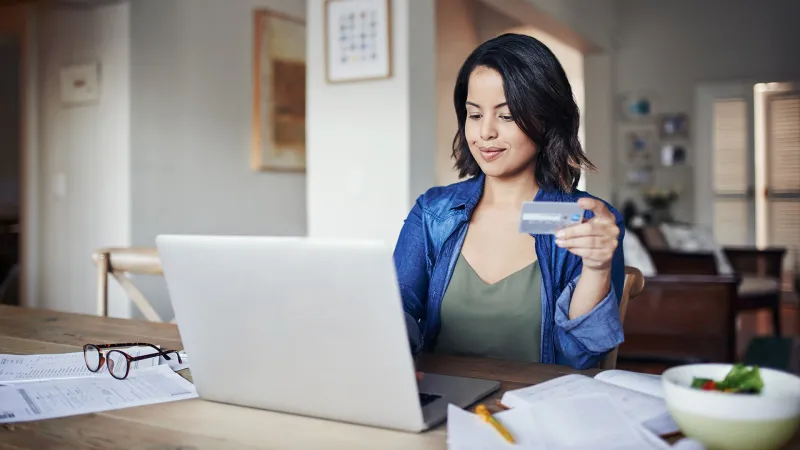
638,106
673,126
358,43
279,92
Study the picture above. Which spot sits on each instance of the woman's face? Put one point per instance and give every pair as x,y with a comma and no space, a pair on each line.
495,141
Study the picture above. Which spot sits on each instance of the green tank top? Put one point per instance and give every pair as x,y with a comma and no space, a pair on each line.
501,320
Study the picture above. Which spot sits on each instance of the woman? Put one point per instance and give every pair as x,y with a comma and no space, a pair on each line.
471,283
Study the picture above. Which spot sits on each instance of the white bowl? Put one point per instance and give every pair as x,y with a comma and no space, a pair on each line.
727,421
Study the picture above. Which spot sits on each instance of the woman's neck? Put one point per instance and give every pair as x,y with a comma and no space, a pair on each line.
510,191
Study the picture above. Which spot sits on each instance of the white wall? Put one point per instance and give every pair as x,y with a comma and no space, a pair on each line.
191,84
456,38
369,152
87,147
669,48
594,20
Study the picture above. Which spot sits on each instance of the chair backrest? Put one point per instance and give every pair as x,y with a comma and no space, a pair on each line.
119,262
683,319
676,262
634,284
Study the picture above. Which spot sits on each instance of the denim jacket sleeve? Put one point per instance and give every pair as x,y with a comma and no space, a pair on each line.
412,274
585,340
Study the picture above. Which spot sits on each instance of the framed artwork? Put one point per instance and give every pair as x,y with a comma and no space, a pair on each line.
640,146
279,92
357,40
673,155
638,106
673,126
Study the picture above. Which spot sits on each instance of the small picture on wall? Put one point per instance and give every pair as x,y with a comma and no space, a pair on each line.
673,155
640,177
279,91
357,40
674,126
639,147
638,106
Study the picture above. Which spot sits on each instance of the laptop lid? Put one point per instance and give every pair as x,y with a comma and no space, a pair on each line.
300,325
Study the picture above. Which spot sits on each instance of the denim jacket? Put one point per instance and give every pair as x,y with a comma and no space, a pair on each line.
429,245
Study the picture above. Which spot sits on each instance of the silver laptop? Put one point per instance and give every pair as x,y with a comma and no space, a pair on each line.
306,326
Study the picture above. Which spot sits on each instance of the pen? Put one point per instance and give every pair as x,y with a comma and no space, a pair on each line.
488,418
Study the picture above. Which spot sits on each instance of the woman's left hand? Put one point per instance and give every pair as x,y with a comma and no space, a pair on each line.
594,240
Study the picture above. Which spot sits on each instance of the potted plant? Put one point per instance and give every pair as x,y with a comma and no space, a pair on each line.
659,201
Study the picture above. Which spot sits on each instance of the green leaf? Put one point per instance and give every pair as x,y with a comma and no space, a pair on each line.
741,378
697,383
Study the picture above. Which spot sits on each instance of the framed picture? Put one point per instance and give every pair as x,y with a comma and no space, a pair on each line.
638,106
357,40
673,155
673,126
640,146
279,92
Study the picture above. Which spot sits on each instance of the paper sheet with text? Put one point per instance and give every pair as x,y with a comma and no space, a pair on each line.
67,397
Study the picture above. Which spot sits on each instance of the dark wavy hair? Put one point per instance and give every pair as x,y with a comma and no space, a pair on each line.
540,99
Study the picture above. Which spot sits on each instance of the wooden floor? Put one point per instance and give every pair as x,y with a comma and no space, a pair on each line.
751,325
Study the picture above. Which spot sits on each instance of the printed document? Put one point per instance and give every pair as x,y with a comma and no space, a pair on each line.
638,396
66,397
25,368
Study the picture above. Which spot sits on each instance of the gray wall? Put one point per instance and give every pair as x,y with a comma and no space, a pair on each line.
83,156
670,47
190,128
9,127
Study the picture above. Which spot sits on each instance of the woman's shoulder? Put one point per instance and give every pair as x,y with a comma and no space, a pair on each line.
438,200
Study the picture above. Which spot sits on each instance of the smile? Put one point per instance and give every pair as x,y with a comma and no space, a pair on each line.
491,153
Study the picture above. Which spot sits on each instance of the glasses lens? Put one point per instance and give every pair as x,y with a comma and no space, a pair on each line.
117,364
92,356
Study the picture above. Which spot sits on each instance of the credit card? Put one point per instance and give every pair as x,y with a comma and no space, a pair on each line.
549,217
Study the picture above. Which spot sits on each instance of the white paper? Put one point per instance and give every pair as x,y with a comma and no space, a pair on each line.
24,368
173,361
644,409
641,382
576,423
66,397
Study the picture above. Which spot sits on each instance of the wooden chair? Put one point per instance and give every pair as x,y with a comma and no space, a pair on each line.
119,262
682,319
634,284
759,270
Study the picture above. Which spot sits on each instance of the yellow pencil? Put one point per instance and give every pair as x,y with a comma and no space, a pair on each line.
488,418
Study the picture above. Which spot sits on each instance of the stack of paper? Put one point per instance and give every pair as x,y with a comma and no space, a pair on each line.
577,423
34,387
67,397
638,396
615,410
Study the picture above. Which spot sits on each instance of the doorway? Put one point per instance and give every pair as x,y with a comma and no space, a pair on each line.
10,169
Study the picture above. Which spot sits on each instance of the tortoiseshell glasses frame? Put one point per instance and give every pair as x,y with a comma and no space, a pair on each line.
94,357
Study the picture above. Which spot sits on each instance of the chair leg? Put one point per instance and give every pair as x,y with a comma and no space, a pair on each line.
776,318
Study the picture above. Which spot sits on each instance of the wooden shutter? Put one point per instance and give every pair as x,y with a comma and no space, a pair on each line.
732,203
783,174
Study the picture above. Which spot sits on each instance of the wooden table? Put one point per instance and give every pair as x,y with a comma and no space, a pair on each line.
201,424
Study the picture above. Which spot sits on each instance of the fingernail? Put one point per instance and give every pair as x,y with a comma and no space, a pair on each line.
559,242
560,234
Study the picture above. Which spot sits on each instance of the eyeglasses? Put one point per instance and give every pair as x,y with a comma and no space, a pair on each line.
119,362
